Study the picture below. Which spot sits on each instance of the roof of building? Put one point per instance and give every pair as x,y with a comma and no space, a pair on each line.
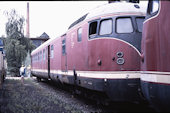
44,35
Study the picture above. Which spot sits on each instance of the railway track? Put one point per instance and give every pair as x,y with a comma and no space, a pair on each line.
99,103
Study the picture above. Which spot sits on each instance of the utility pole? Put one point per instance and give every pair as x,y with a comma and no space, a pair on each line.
28,23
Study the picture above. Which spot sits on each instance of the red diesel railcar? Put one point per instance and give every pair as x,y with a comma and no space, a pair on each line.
155,64
100,51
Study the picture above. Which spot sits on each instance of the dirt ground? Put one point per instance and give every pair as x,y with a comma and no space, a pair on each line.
30,96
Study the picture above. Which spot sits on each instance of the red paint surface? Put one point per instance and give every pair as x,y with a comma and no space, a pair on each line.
156,41
84,55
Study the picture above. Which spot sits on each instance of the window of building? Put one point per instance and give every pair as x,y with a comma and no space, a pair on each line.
93,28
52,51
124,25
79,35
105,27
64,46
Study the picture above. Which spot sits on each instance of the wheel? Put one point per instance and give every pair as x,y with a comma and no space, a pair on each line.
38,79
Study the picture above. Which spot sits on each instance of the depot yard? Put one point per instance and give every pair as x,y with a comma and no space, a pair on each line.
26,95
29,96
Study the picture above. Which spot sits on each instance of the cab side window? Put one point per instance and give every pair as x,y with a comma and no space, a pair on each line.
93,29
79,35
155,6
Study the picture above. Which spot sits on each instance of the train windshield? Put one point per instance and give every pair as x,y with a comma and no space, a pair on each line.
105,27
116,26
124,25
126,28
139,22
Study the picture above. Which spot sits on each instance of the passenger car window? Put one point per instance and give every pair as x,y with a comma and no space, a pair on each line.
139,22
124,25
47,53
105,27
52,51
36,57
40,55
79,35
43,54
63,46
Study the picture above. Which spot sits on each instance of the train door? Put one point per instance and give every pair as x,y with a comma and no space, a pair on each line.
64,54
48,61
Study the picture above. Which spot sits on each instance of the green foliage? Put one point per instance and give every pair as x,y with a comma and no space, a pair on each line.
14,26
16,45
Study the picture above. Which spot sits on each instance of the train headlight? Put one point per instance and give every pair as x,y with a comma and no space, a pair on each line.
120,61
119,54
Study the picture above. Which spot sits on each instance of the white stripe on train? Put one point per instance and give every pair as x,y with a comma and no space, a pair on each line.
96,74
156,77
113,38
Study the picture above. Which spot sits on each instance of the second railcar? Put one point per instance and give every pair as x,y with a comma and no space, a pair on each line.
155,64
100,51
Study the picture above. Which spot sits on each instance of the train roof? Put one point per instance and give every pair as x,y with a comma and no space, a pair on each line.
43,45
115,7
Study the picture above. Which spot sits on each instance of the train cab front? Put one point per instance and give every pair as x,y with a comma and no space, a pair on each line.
114,52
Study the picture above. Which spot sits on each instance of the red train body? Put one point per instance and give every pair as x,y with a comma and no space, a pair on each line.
100,51
155,64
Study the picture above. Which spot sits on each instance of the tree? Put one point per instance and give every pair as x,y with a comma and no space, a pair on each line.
16,45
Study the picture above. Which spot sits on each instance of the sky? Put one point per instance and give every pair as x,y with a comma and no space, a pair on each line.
52,17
